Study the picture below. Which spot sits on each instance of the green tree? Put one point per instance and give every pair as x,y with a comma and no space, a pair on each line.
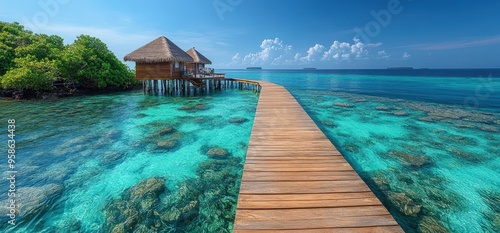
35,61
12,36
30,74
42,46
89,62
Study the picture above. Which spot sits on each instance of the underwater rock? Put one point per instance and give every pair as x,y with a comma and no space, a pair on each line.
494,220
473,158
426,119
217,153
492,199
135,209
497,122
328,123
382,108
466,126
489,128
478,117
167,144
194,107
342,104
403,176
353,148
73,146
166,131
439,197
141,115
358,99
429,224
171,216
444,114
462,140
400,113
238,120
32,201
378,136
27,171
380,181
186,107
111,157
404,203
112,134
414,160
201,107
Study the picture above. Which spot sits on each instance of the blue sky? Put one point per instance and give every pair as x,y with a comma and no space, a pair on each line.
336,34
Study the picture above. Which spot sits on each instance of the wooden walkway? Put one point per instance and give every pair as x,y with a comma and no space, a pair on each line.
295,180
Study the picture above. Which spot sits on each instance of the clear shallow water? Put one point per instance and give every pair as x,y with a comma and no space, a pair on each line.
430,156
424,141
469,88
80,161
434,166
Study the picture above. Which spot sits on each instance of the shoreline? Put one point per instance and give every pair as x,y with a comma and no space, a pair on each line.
59,93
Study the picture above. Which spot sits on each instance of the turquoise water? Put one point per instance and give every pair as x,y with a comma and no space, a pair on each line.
81,161
426,142
430,155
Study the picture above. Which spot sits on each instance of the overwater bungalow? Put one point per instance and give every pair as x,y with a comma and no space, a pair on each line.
197,67
160,59
164,68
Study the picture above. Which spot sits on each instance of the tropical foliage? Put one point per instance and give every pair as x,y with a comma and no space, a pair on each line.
35,61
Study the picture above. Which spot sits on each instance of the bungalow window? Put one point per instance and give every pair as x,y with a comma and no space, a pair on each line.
176,65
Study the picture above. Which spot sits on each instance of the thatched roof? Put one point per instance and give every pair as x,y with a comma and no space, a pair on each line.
198,57
159,50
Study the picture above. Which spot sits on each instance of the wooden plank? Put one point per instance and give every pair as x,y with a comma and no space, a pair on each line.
305,197
252,176
284,187
377,229
295,180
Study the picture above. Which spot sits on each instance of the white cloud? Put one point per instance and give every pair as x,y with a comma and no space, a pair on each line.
296,57
236,57
270,50
345,50
313,53
382,54
275,52
406,55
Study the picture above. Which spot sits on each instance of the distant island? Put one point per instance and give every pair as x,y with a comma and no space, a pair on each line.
254,68
310,68
400,68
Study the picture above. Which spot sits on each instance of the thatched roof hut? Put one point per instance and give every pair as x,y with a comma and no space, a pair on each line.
198,65
198,57
160,59
161,50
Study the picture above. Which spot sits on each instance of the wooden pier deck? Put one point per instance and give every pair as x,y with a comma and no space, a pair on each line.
295,180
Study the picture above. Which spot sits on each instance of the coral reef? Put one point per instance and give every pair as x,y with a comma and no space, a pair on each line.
343,104
238,120
217,153
205,203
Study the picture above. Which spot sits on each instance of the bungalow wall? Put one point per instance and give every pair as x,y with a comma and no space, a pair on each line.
153,71
159,71
194,67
